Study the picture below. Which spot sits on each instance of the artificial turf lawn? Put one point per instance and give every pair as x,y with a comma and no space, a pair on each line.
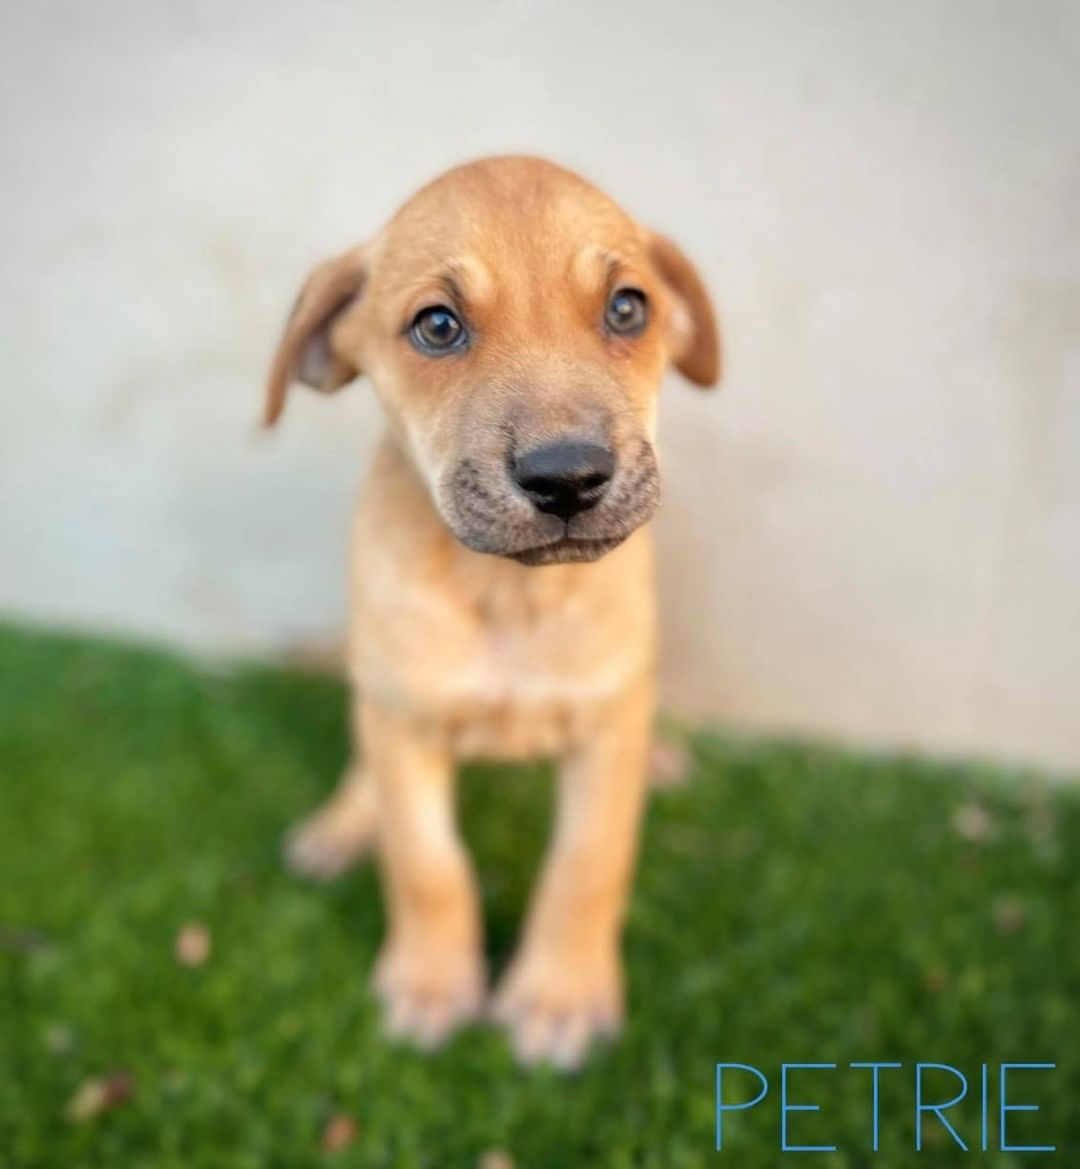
794,903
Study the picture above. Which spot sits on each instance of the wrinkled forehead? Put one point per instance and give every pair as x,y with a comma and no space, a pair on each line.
484,238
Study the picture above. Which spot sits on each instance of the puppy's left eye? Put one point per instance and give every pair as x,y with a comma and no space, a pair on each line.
627,312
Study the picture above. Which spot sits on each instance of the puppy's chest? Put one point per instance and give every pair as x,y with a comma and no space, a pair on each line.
513,673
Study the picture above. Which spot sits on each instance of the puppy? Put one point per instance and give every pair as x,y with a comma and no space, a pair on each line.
515,325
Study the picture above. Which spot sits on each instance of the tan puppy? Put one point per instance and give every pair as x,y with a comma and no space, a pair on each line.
515,324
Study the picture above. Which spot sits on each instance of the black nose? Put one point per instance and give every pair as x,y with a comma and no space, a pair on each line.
564,478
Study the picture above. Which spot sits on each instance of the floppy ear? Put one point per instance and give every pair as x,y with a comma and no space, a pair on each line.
692,334
306,351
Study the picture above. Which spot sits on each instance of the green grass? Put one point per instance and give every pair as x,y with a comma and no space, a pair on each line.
794,903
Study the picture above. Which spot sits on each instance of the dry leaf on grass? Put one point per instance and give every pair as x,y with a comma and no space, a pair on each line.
94,1097
495,1159
340,1130
974,823
193,944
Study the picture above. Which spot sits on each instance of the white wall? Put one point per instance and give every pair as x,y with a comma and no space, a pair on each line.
873,530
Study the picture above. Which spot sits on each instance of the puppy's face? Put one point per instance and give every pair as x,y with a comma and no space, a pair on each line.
516,325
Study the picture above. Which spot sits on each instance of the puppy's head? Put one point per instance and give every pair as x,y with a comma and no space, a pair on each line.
515,324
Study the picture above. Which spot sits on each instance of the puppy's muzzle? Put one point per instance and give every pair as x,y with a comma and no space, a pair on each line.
568,499
564,478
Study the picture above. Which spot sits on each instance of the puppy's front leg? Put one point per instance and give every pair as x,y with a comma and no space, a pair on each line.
565,986
430,973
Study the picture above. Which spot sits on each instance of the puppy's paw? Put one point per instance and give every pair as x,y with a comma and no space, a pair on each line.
335,838
555,1005
427,994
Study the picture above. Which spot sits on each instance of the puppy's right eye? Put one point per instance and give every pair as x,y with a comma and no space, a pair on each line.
437,330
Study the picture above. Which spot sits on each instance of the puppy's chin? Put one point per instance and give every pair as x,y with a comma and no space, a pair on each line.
550,545
566,551
557,549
